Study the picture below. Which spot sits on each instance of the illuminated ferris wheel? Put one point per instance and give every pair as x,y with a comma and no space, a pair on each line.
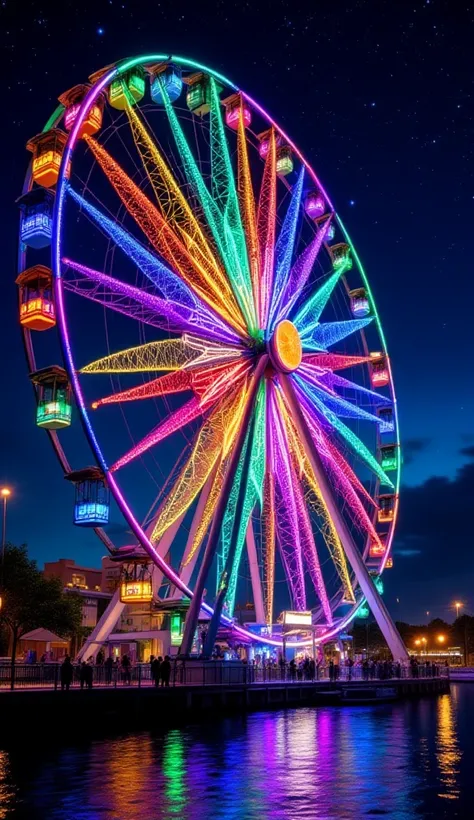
221,343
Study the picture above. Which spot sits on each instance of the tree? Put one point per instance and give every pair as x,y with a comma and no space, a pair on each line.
29,600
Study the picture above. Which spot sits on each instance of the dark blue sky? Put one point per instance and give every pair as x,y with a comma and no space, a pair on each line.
379,95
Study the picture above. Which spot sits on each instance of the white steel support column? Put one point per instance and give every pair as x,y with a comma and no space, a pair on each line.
377,605
115,607
105,625
255,575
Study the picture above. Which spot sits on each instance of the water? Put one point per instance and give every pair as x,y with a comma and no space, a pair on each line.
404,760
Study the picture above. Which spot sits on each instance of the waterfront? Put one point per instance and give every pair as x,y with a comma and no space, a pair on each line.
401,760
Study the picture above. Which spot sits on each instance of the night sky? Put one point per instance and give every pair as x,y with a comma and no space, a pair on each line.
379,96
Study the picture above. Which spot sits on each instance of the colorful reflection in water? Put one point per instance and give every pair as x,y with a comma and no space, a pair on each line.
401,761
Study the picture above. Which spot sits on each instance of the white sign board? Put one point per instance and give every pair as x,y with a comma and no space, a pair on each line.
297,618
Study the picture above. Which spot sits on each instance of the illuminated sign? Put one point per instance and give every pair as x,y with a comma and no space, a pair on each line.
136,591
175,629
297,618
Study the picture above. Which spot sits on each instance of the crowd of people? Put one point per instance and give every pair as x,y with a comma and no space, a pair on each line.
108,670
306,668
158,670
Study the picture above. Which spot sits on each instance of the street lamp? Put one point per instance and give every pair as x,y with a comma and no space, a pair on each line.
5,492
441,638
458,606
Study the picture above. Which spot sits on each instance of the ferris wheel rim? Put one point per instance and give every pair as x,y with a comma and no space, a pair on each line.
103,82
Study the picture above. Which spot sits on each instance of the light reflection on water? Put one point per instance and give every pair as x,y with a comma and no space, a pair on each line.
406,760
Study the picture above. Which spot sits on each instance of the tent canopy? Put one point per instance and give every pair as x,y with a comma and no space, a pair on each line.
43,636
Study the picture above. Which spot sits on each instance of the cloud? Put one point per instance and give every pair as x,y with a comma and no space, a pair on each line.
435,526
411,447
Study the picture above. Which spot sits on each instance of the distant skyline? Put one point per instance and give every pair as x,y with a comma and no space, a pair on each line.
379,97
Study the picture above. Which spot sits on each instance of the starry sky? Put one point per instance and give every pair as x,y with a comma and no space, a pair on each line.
379,96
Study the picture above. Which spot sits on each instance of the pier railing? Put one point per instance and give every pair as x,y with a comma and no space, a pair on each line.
209,673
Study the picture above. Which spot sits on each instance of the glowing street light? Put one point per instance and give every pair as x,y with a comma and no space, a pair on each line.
417,642
441,638
5,492
458,606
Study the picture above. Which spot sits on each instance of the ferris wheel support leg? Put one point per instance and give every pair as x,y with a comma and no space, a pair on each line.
377,605
215,530
105,625
255,575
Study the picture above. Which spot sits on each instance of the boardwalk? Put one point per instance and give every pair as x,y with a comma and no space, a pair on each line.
221,673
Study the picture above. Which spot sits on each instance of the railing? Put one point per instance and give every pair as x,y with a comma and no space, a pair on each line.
199,673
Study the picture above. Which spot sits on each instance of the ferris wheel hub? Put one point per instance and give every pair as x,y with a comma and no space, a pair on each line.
285,347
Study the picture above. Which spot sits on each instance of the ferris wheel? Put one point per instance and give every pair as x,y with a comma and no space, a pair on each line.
221,343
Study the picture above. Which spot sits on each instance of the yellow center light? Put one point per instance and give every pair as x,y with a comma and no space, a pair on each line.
285,347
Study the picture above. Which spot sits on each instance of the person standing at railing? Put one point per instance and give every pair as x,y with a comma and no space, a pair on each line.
83,674
108,666
126,670
89,675
165,671
155,667
67,672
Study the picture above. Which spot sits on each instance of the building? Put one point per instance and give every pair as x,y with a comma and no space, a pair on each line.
110,575
73,576
86,582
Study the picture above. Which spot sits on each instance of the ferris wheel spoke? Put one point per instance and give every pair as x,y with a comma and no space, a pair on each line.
178,419
199,276
253,478
190,411
215,219
208,512
198,381
310,552
285,245
332,401
333,459
138,304
205,454
167,354
322,362
290,547
176,382
225,193
333,380
166,280
288,529
268,541
266,226
328,417
299,275
248,210
316,502
307,318
322,336
175,208
344,480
